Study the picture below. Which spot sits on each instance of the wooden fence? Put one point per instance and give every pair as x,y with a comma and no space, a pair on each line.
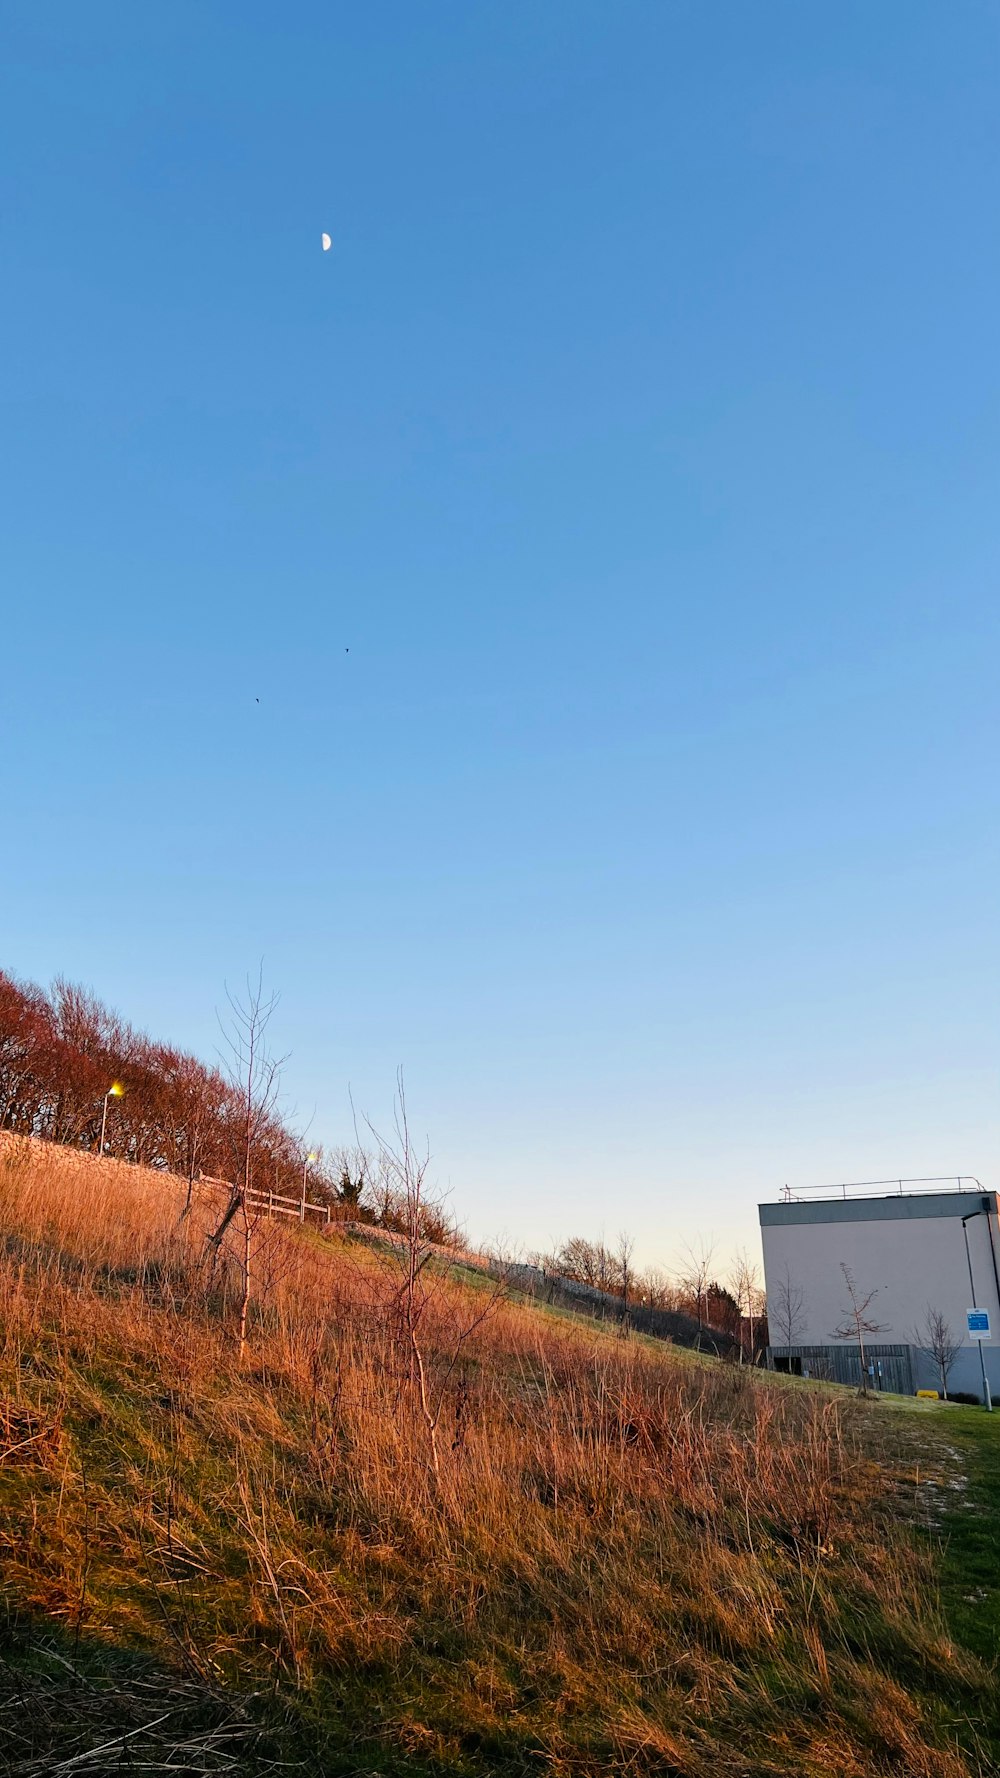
272,1203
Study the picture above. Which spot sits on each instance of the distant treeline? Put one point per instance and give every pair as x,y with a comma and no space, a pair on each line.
694,1307
61,1052
724,1339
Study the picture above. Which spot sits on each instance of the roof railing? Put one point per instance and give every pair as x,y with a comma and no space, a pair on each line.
881,1188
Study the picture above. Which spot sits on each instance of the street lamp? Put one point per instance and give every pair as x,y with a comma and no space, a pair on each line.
305,1170
987,1397
115,1091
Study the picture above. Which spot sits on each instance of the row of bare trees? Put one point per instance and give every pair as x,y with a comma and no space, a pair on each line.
732,1303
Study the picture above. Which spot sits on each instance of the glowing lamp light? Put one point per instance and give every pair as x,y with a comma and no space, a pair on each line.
115,1091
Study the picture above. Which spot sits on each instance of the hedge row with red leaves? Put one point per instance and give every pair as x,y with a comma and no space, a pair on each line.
59,1054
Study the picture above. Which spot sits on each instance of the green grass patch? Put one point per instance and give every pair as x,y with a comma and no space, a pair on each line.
966,1515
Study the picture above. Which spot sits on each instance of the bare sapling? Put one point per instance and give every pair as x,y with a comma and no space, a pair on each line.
935,1339
255,1078
432,1359
857,1322
786,1316
623,1256
744,1282
697,1276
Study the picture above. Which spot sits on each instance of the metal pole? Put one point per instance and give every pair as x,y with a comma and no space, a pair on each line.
987,1397
302,1205
988,1209
104,1120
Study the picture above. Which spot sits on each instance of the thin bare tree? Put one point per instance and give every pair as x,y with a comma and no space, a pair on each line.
857,1322
404,1170
696,1276
934,1338
623,1258
744,1282
255,1078
581,1259
786,1315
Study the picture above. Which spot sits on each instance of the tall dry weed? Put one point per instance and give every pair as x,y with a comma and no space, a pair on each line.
621,1559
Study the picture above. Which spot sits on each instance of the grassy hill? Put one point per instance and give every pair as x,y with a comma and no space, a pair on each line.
416,1529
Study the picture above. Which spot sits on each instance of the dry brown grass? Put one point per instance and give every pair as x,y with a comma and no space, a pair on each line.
630,1561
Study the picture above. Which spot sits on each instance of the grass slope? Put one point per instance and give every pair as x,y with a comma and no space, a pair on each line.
961,1515
622,1561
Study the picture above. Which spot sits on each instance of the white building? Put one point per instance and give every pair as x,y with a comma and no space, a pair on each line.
920,1248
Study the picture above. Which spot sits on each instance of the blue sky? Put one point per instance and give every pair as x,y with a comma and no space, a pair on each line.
639,440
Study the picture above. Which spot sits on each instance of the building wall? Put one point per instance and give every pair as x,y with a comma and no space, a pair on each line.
910,1248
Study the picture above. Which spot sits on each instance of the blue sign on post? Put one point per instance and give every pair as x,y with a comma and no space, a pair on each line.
978,1321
